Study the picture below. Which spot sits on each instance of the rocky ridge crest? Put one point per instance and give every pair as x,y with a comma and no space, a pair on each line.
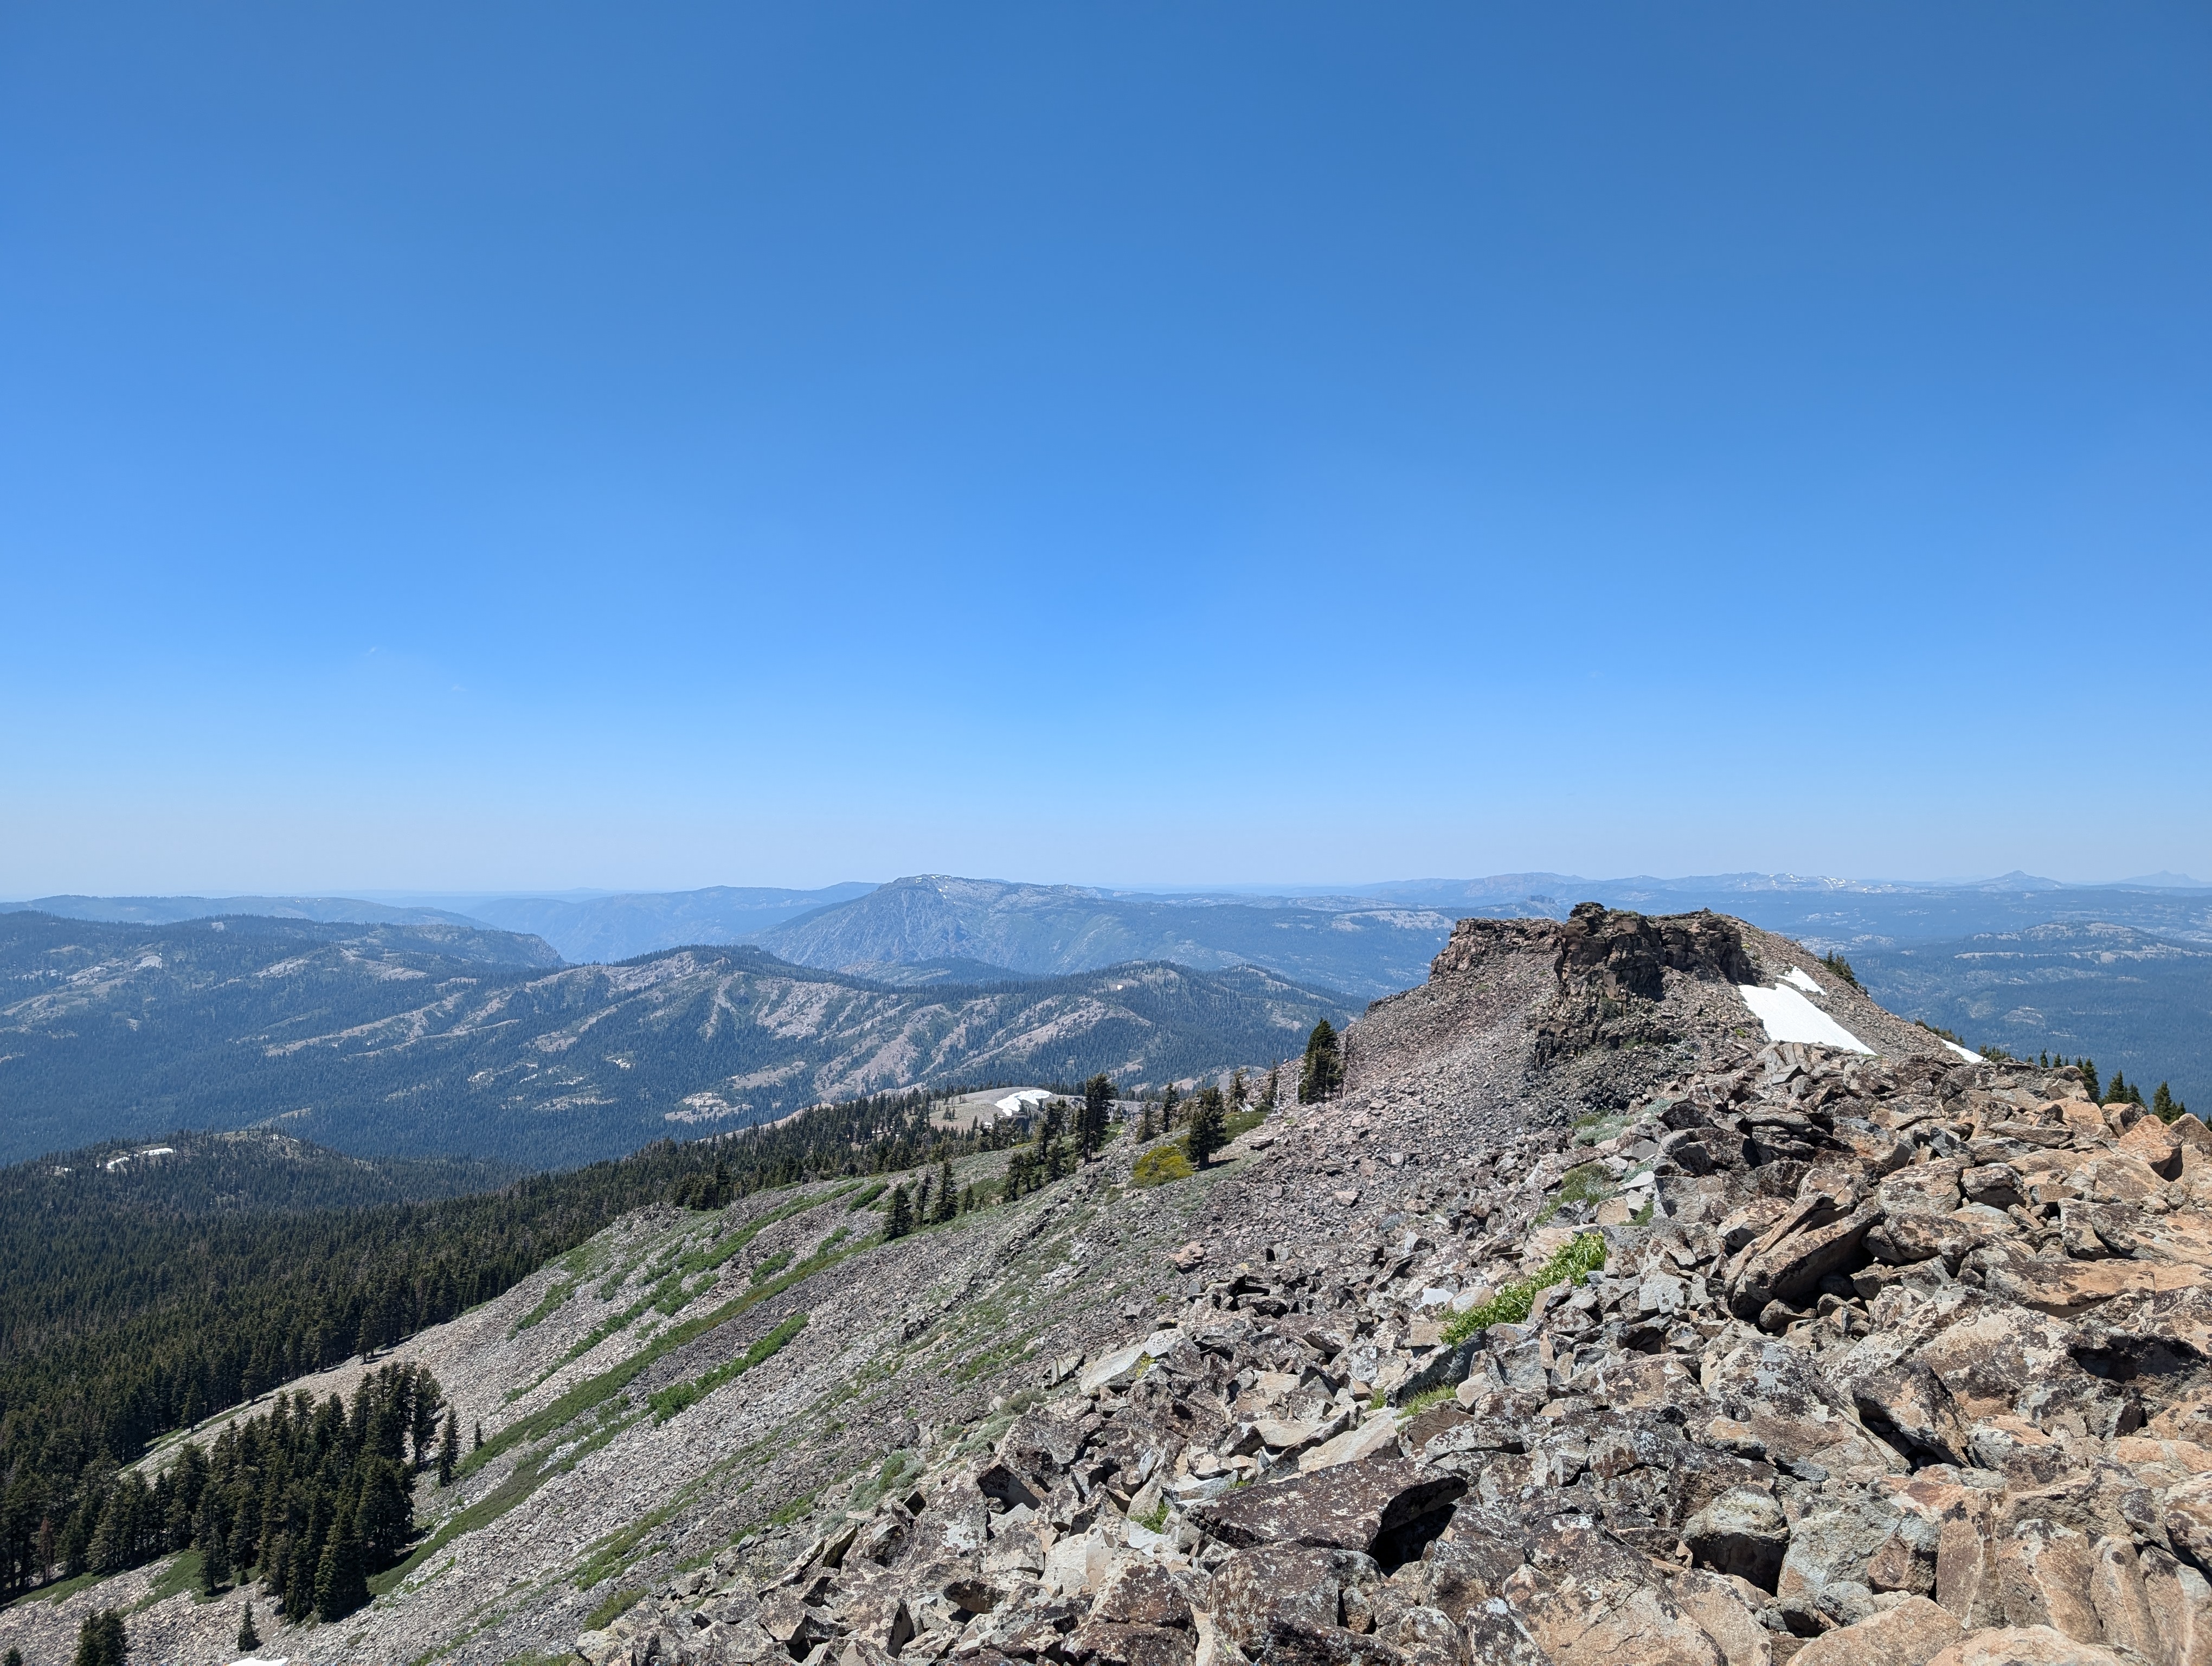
1898,1359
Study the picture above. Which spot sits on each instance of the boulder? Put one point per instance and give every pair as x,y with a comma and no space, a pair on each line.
1588,1601
2044,1572
1110,1644
1742,1533
2180,1604
1912,1634
1788,1269
1283,1601
2028,1645
1719,1607
1138,1591
1353,1506
1379,1434
2117,1594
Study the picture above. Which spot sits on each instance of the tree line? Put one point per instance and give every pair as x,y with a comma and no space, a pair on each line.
124,1318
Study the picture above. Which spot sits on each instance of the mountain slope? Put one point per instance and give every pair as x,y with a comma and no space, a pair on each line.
1103,1419
390,1042
1043,930
621,927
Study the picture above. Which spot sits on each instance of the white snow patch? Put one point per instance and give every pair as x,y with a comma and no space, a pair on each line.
1019,1103
1965,1053
1798,975
151,963
1789,1017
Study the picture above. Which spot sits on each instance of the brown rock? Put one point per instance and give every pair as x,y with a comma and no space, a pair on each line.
1285,1602
1496,1637
1741,1533
2116,1591
1966,1570
1138,1591
1912,1633
2189,1518
1113,1644
1465,1570
2043,1579
2180,1605
2067,1287
1910,1399
1823,1238
2031,1645
1589,1601
1365,1507
1719,1607
1426,1637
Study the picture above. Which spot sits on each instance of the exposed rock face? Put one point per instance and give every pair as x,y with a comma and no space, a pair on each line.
1831,1401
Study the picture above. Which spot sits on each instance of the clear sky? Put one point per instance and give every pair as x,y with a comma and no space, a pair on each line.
546,445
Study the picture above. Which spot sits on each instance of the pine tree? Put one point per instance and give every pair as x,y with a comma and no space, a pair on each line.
1323,1072
14,1657
1168,1103
1207,1132
1238,1093
921,1205
340,1584
248,1639
2088,1069
2165,1106
100,1640
900,1220
449,1447
1145,1127
948,1190
480,1434
1098,1095
214,1555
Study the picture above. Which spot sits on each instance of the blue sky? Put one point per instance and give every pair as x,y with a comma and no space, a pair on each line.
544,446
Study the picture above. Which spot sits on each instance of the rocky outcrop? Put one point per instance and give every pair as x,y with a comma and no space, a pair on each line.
1901,1362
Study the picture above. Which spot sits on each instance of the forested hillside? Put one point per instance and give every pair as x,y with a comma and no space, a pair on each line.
144,1295
141,1298
368,1041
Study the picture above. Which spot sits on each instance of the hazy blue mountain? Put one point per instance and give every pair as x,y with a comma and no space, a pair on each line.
161,910
1369,950
414,1041
617,928
2130,1000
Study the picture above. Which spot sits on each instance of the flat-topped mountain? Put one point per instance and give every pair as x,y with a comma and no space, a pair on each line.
1367,948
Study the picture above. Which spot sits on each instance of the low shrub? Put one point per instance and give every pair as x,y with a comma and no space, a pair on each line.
1160,1164
1510,1306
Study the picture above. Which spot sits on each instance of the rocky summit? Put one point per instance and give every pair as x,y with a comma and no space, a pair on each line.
1589,1325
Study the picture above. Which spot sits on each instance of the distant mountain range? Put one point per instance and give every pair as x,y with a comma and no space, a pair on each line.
1369,939
437,1041
609,929
938,931
2130,1000
166,910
